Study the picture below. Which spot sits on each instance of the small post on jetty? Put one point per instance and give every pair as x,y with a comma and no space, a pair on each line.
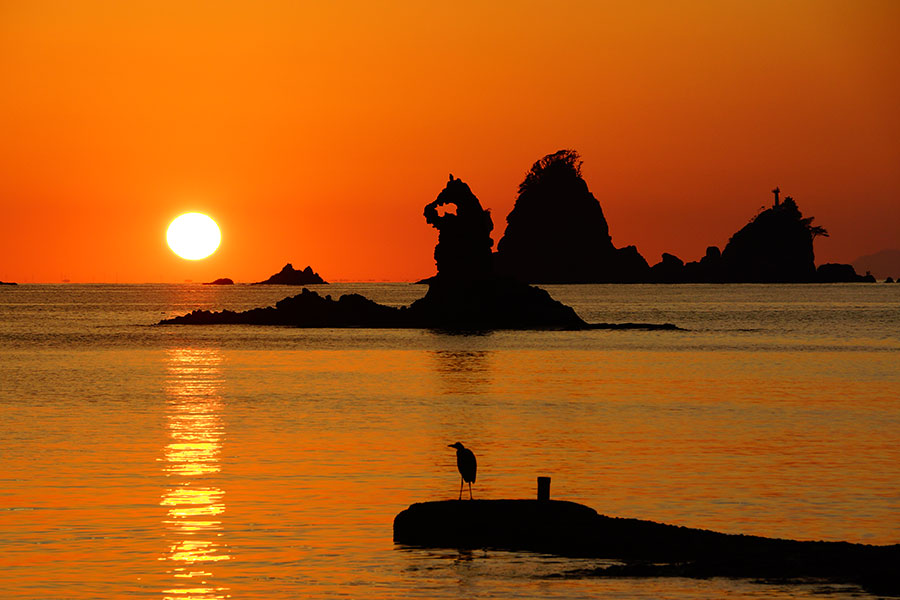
543,489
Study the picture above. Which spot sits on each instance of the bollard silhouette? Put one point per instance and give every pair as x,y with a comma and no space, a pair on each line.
543,488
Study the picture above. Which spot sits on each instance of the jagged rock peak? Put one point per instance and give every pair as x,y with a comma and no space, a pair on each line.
291,276
463,251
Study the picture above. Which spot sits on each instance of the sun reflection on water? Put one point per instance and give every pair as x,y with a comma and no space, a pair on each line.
191,461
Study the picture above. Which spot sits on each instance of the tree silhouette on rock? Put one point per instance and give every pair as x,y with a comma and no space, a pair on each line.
776,246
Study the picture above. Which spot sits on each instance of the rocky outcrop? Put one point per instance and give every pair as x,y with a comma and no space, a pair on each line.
222,281
306,309
291,276
463,251
8,283
775,247
466,292
669,270
556,232
840,273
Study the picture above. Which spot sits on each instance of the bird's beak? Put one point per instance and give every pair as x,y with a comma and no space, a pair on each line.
451,446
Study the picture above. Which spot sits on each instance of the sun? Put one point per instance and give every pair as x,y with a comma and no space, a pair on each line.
193,236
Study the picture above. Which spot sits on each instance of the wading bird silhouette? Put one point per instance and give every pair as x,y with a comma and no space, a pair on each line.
465,462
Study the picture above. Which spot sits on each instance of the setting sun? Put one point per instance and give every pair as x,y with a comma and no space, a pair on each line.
193,236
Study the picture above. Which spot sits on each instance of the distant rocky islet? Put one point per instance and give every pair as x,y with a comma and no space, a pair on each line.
288,275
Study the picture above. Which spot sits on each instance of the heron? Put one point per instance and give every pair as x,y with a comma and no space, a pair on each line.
465,462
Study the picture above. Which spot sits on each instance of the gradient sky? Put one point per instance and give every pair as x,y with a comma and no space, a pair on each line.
315,132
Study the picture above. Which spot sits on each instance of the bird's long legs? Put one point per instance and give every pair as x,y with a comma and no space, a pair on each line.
470,490
461,488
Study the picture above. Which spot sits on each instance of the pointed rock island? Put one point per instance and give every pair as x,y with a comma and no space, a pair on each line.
466,294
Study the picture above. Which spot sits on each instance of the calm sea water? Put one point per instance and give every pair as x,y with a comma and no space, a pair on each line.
249,462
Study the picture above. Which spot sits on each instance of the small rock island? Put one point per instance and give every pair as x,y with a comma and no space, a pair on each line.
220,281
466,294
288,275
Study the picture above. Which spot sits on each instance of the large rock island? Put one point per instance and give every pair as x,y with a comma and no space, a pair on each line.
556,232
466,293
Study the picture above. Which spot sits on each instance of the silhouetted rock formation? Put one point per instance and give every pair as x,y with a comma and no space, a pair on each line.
628,266
669,270
463,251
708,269
838,273
649,549
8,283
222,281
290,276
775,247
464,295
306,309
556,232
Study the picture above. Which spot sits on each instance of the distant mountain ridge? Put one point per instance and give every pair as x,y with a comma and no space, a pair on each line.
883,264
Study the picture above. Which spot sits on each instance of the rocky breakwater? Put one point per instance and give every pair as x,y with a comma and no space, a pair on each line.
643,548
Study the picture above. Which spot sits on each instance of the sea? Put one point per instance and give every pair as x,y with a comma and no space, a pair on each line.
211,462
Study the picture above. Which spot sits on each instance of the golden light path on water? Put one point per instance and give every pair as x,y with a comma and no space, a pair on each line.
193,526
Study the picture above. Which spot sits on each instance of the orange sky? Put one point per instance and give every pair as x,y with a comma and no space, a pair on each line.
316,133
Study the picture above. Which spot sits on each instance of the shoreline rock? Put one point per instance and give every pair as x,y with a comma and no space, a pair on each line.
221,281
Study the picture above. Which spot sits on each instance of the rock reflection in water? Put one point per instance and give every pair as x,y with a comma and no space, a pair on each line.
193,526
463,371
